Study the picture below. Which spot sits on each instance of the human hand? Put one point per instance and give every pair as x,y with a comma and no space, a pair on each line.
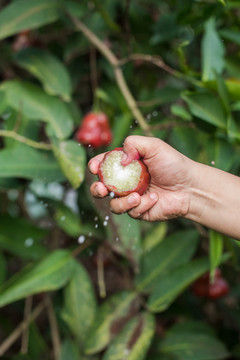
168,194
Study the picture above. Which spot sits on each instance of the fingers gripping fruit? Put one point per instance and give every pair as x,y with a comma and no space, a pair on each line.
94,130
123,180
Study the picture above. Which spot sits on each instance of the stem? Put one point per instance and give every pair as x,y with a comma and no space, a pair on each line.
25,335
82,247
100,273
54,328
131,101
158,61
6,344
24,140
115,63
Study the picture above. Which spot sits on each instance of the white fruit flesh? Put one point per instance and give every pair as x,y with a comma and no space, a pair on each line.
117,177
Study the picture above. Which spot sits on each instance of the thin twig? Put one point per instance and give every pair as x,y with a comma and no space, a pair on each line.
25,335
158,61
100,273
114,62
154,59
54,327
7,343
81,247
37,145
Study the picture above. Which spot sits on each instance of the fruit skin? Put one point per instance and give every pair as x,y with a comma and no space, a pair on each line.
94,130
143,182
203,287
218,288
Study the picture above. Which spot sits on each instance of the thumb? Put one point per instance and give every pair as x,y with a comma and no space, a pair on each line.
135,147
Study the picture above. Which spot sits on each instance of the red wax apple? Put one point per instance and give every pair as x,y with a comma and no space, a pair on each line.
218,288
123,180
94,130
203,287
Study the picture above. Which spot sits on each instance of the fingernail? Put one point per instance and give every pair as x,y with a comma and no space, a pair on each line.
132,199
153,196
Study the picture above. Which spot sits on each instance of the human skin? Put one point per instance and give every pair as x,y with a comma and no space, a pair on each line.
179,187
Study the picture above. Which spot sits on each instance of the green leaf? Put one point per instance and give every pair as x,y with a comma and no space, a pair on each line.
48,69
21,238
35,104
165,29
206,106
25,127
175,250
124,236
215,251
79,300
219,153
233,86
67,220
193,343
134,340
25,14
155,236
51,273
2,102
37,346
174,283
233,36
223,93
212,52
3,268
122,124
28,163
186,140
111,315
181,112
72,159
70,350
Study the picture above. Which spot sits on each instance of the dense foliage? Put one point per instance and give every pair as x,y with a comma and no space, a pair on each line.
76,281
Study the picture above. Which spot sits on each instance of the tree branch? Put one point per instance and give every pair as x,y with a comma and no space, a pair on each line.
113,60
7,343
54,327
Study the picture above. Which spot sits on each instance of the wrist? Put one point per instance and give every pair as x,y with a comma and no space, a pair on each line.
203,196
215,199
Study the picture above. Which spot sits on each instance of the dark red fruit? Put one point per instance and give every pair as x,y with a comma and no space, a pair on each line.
200,288
94,130
218,288
123,180
203,287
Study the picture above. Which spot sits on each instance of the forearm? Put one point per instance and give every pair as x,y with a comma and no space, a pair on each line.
215,200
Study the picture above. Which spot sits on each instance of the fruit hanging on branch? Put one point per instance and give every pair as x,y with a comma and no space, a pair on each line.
218,288
123,180
204,287
94,130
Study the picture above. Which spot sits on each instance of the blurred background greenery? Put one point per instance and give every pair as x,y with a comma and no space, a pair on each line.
78,282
